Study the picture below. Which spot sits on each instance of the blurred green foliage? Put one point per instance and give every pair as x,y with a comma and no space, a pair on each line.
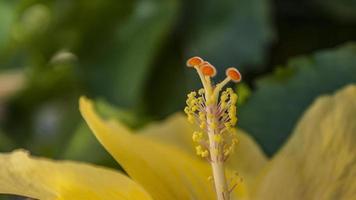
231,31
280,99
115,49
131,56
343,10
84,146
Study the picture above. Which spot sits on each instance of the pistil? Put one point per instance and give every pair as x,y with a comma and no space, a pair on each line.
215,117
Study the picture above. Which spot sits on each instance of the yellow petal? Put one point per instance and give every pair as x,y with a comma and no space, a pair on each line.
165,171
247,159
46,179
174,130
319,160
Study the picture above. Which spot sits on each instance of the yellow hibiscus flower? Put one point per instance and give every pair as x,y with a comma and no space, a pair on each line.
318,161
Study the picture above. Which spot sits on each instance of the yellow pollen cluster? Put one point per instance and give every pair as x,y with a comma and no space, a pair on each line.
228,100
197,136
213,111
201,151
234,181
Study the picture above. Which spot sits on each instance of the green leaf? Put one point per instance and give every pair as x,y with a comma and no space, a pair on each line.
5,143
7,16
136,44
231,32
340,9
170,84
125,116
281,98
11,197
84,146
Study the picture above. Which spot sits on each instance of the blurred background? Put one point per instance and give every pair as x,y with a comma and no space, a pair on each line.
130,57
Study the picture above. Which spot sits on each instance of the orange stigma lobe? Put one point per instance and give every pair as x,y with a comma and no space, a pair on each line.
194,61
233,74
207,69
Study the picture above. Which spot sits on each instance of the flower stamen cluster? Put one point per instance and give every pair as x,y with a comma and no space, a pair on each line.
214,111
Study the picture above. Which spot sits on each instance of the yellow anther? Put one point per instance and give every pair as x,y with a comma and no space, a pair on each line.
233,97
188,102
233,121
201,91
200,100
205,153
191,118
197,136
223,105
192,94
191,102
202,116
230,129
230,150
198,150
223,97
201,152
186,110
232,110
194,108
235,141
227,152
202,125
229,90
227,124
232,114
217,138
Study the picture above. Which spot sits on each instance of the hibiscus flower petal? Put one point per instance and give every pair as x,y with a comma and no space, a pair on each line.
319,160
247,159
45,179
162,169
